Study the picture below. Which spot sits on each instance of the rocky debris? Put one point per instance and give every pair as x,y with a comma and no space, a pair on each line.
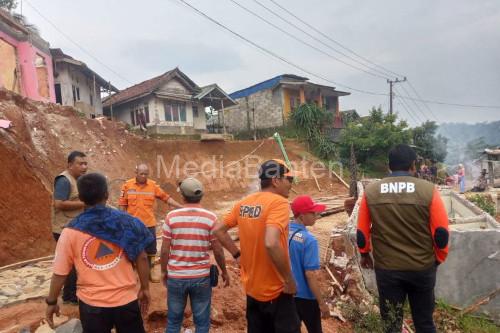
71,326
28,282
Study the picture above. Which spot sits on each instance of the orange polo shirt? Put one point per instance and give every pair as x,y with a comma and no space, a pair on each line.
140,198
253,215
106,277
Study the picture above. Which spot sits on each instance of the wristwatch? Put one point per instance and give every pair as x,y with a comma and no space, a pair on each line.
54,302
237,255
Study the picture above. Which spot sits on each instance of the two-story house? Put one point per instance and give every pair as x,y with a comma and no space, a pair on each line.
268,104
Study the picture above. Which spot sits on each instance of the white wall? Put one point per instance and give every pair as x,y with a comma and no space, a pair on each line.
70,75
157,109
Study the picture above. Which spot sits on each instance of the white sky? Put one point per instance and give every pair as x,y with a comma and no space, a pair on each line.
449,50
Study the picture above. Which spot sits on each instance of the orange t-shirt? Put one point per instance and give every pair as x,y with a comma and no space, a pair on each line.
106,277
140,198
253,214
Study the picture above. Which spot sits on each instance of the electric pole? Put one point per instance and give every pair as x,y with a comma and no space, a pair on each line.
391,94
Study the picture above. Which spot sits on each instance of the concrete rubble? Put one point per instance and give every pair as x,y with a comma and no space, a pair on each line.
23,283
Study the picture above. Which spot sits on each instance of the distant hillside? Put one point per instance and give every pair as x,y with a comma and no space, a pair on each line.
465,140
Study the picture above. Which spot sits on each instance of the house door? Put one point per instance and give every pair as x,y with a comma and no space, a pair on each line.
57,88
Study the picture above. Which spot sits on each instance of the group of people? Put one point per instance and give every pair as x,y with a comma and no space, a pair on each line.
429,173
106,250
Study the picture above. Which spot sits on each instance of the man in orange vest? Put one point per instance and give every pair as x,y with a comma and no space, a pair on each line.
137,198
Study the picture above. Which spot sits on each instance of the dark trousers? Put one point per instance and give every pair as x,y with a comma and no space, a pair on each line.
151,248
126,318
395,286
276,316
69,290
309,313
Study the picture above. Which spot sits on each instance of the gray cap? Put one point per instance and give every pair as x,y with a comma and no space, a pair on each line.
191,188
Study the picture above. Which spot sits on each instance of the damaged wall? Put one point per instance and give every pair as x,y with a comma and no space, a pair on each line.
472,270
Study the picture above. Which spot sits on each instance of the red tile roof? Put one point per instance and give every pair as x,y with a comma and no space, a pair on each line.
146,87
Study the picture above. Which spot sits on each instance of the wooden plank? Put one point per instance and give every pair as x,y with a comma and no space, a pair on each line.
317,183
24,263
482,301
333,278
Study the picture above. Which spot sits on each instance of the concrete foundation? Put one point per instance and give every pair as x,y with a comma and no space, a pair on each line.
472,269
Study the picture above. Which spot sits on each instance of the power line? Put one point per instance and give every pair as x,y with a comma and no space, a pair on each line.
275,55
407,111
281,58
416,105
304,42
76,44
452,104
333,40
391,84
408,108
427,106
319,40
418,96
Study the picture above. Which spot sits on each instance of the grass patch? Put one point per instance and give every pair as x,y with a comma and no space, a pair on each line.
446,318
485,202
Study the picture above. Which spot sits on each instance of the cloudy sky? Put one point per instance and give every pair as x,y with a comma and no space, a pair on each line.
449,50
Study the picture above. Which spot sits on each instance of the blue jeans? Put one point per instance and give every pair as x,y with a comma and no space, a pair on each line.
461,182
200,294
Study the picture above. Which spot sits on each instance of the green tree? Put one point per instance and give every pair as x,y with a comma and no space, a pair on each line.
310,122
8,4
372,137
428,144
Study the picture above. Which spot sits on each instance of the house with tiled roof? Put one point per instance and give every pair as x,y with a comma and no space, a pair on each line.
170,103
268,104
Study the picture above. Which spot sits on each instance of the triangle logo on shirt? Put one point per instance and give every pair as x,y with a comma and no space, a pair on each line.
103,251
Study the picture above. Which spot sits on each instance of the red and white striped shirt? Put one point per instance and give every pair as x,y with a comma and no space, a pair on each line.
190,230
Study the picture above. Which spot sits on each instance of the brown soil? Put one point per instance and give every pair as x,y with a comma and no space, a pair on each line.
35,150
23,210
228,310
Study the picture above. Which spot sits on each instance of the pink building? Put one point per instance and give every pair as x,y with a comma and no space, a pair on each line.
25,61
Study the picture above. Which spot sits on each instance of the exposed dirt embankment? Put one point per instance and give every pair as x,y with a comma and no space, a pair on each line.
34,151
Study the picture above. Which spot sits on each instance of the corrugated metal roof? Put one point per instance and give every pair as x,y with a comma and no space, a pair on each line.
268,84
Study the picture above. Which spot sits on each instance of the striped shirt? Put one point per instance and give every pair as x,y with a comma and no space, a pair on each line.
190,231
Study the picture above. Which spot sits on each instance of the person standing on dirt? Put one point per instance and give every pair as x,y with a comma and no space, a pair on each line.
137,198
262,219
104,244
304,255
67,206
406,221
185,259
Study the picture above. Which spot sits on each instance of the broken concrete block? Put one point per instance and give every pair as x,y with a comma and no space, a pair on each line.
72,326
10,290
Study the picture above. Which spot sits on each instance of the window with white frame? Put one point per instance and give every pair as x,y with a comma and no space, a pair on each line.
175,111
140,114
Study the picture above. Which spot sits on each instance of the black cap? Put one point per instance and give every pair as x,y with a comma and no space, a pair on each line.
274,169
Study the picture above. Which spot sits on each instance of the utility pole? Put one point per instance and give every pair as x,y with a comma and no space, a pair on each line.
391,94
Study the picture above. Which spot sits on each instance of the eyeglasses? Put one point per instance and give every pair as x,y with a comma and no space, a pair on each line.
290,179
